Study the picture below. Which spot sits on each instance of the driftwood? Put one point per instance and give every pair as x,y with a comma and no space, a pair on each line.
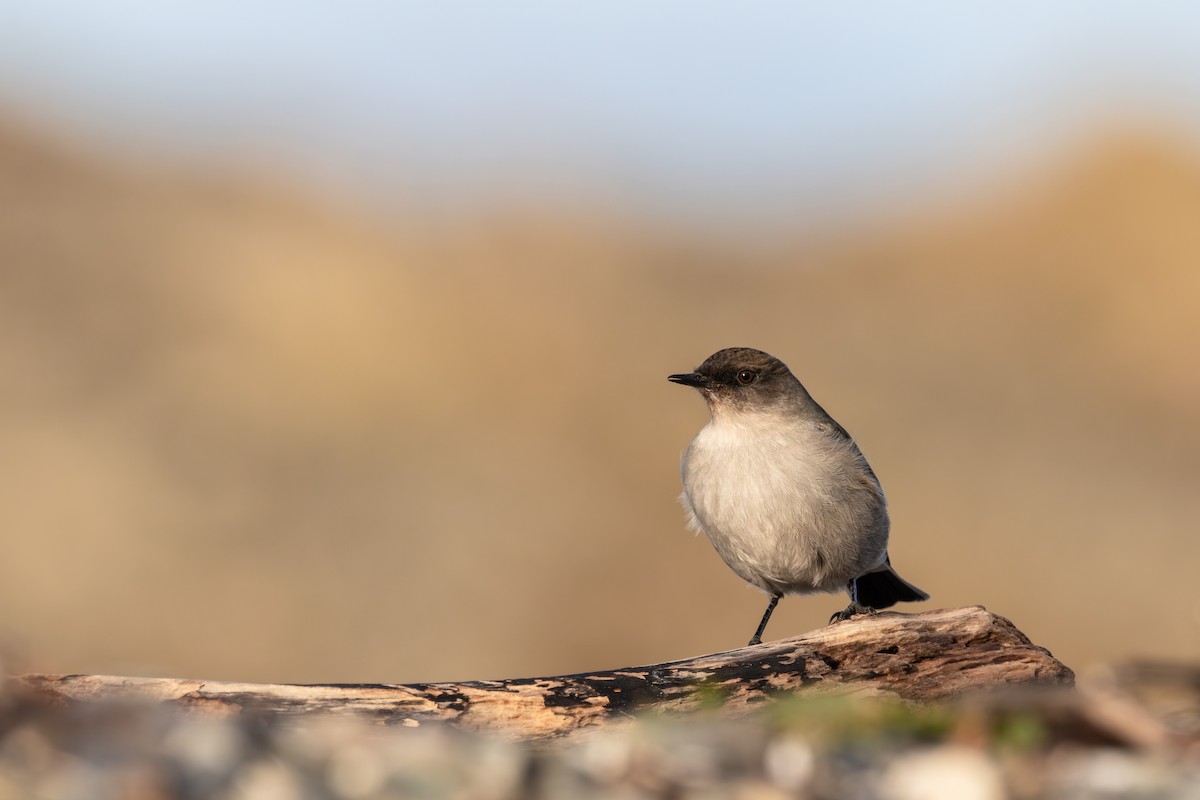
931,656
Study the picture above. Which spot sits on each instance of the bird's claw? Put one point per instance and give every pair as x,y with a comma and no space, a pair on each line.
852,610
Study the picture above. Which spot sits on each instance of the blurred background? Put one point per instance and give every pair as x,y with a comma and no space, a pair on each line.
334,337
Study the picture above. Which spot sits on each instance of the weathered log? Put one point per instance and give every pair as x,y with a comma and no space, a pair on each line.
931,656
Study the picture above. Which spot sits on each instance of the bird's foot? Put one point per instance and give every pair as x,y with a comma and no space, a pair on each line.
852,610
762,626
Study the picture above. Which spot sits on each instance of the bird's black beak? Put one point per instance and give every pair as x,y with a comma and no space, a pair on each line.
693,379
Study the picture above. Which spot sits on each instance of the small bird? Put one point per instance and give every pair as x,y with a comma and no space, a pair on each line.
781,490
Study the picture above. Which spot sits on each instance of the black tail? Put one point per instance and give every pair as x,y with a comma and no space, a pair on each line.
885,588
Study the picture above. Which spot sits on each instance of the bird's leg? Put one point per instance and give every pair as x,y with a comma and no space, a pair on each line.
854,608
762,626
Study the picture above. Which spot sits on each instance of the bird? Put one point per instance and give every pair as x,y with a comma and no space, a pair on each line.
782,492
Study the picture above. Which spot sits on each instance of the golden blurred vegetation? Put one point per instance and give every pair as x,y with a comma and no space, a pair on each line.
249,434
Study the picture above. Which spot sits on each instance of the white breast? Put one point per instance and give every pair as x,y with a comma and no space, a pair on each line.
788,504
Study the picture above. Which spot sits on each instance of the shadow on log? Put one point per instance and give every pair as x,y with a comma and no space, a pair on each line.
931,656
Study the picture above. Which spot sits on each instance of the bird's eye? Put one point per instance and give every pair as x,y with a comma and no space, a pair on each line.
746,377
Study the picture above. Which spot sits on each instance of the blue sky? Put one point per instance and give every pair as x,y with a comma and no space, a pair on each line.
697,102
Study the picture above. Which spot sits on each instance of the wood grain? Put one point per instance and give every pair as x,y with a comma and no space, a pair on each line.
930,656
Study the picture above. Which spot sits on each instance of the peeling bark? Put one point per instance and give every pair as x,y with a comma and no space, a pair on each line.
931,656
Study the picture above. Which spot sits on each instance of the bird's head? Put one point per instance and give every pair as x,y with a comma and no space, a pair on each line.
742,379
